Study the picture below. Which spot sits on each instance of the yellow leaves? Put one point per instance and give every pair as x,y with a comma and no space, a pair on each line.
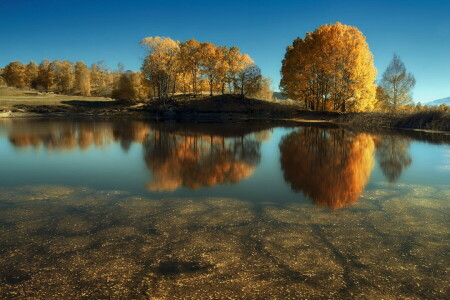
191,65
332,68
333,170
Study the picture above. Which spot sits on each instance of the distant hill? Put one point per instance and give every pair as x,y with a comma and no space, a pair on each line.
439,102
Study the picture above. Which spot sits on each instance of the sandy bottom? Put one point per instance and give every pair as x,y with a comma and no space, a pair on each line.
68,243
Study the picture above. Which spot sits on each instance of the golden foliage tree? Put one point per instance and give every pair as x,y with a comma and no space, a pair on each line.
265,91
330,69
82,79
64,77
189,57
161,65
131,87
14,74
248,80
31,73
331,167
45,79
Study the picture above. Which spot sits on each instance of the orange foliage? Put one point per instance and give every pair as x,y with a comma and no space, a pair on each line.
61,136
329,166
195,161
330,69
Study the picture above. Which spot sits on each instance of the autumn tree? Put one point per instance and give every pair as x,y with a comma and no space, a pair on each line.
161,65
213,64
248,80
189,57
2,80
265,91
45,79
82,79
31,73
14,74
63,76
131,87
102,79
397,84
330,69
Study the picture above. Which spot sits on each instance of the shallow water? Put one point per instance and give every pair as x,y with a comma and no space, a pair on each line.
129,209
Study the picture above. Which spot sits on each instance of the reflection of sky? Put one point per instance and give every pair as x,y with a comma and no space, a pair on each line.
430,165
110,168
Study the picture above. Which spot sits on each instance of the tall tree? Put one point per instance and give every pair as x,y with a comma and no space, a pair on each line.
45,77
31,72
249,80
397,84
82,79
131,87
330,69
212,65
265,91
64,75
161,65
190,61
14,74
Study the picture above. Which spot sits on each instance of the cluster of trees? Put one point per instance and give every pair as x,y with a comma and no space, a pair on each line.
63,77
171,67
189,67
330,69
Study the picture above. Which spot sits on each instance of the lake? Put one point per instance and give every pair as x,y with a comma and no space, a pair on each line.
134,209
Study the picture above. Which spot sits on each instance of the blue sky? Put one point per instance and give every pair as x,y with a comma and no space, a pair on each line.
419,31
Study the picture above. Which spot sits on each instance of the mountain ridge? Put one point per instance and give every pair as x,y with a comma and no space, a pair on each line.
439,102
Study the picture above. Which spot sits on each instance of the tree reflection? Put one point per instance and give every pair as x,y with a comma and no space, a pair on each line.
331,166
82,135
393,156
194,160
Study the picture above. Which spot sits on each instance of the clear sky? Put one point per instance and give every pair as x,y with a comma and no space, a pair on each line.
91,31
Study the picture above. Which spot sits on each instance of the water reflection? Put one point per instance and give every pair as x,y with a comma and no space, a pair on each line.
201,155
393,156
330,166
195,160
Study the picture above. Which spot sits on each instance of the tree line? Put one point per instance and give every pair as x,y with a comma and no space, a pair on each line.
62,77
331,68
171,67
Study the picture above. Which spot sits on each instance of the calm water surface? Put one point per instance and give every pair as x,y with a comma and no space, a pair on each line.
132,209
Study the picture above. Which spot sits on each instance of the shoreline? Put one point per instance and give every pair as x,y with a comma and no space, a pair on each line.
215,118
223,109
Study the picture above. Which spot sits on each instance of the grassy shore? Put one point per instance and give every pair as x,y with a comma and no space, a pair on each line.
220,108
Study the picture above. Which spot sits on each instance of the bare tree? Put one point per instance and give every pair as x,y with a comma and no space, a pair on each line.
397,84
